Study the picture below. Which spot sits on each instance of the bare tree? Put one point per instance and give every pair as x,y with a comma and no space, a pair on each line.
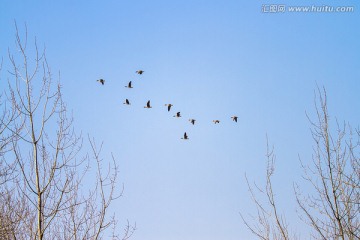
7,115
47,198
7,169
268,223
333,209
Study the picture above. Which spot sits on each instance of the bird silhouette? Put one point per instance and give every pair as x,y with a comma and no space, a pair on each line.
127,102
234,118
192,121
216,121
102,81
185,136
140,72
129,85
177,115
169,105
148,105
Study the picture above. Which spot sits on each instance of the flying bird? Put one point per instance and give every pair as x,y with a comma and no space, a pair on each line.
216,121
148,105
192,121
234,118
177,115
185,136
127,102
169,105
140,72
129,85
102,81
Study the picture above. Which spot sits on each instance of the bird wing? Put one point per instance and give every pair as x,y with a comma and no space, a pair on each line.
148,104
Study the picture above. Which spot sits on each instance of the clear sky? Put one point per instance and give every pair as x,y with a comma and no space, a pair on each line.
211,60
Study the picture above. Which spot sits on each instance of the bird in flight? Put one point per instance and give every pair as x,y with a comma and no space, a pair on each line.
185,136
169,105
234,118
127,102
140,72
177,115
148,105
216,121
102,81
129,85
192,121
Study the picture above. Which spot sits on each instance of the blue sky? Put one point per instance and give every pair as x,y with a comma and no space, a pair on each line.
212,60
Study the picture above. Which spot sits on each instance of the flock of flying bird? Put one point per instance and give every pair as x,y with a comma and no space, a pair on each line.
168,105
